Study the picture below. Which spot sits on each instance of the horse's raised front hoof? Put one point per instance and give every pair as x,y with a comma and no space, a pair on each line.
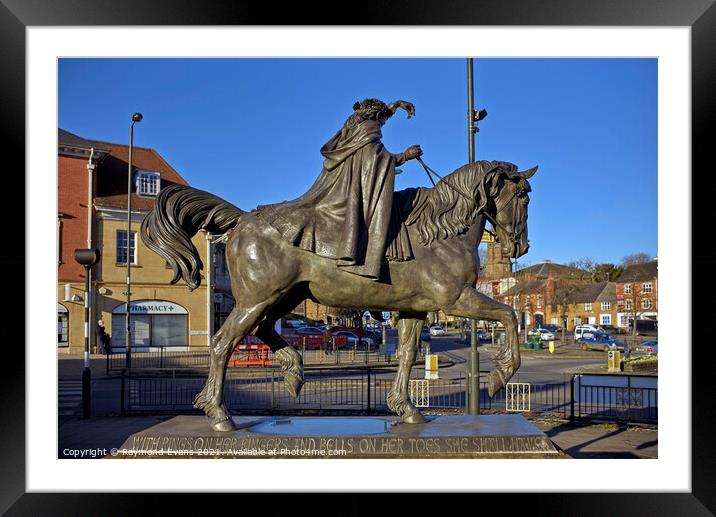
293,383
224,426
292,369
494,383
414,418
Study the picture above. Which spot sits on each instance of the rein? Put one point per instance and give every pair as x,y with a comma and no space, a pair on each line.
429,171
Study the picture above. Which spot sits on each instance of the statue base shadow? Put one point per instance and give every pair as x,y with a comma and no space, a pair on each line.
483,436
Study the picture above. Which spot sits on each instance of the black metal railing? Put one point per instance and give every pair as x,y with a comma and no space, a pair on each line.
172,358
629,398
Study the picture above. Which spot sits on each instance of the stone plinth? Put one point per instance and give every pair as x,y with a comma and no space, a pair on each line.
483,436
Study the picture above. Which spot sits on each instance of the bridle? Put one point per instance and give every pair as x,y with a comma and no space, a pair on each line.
517,191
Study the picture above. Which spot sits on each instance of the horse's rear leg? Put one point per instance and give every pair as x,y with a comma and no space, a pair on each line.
408,335
210,399
290,360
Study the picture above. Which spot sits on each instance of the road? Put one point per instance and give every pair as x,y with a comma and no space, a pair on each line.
546,369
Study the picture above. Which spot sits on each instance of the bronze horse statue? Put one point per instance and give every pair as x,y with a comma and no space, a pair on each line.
270,276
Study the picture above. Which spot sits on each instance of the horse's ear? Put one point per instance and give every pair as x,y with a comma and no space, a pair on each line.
528,173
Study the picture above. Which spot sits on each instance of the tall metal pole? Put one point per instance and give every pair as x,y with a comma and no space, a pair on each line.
128,336
473,375
90,170
86,257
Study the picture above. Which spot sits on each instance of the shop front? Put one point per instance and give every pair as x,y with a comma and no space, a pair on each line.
154,324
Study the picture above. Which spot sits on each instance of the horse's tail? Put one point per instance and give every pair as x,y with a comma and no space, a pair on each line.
178,214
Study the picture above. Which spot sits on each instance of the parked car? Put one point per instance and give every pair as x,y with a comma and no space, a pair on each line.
552,328
646,328
600,341
544,334
483,335
309,331
353,339
425,334
647,348
437,330
611,329
579,330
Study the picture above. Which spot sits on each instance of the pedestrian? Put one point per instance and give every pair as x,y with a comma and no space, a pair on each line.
327,343
102,338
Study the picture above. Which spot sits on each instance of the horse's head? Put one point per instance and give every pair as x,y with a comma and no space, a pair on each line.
508,210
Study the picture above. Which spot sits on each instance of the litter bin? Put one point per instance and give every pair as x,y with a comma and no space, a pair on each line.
533,343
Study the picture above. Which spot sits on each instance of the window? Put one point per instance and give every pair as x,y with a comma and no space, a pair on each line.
606,306
646,288
539,300
627,288
646,303
62,321
606,319
587,306
628,304
147,183
577,322
554,321
122,247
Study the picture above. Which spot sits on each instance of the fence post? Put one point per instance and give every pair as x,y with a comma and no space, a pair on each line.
121,396
628,397
571,398
161,356
368,398
273,397
108,352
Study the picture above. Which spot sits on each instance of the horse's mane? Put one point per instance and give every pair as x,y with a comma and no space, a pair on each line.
441,212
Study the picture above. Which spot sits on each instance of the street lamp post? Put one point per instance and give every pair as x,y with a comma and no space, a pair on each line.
87,258
473,370
137,117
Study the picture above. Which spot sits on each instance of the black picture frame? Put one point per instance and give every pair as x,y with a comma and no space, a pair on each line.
700,15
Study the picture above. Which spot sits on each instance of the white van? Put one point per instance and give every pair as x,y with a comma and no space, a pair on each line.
581,329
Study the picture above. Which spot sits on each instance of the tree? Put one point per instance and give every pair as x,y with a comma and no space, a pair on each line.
564,290
636,258
606,273
585,263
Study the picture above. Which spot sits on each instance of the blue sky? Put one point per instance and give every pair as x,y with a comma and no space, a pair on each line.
250,130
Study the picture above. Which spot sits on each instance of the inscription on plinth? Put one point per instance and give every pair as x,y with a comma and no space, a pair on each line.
443,437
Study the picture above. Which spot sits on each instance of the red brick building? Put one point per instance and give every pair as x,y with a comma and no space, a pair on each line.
92,213
537,289
637,291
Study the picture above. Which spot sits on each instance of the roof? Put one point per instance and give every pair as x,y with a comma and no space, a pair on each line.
587,293
639,272
66,139
547,268
530,287
112,175
112,170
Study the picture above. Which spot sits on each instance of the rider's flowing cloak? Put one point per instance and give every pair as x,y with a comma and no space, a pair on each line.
346,214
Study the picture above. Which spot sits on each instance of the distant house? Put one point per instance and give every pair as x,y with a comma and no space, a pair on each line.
637,293
593,303
534,293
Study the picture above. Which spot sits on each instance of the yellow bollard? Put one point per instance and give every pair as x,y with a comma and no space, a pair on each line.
551,347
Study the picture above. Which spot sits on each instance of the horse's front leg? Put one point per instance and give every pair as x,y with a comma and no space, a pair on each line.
475,305
408,337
